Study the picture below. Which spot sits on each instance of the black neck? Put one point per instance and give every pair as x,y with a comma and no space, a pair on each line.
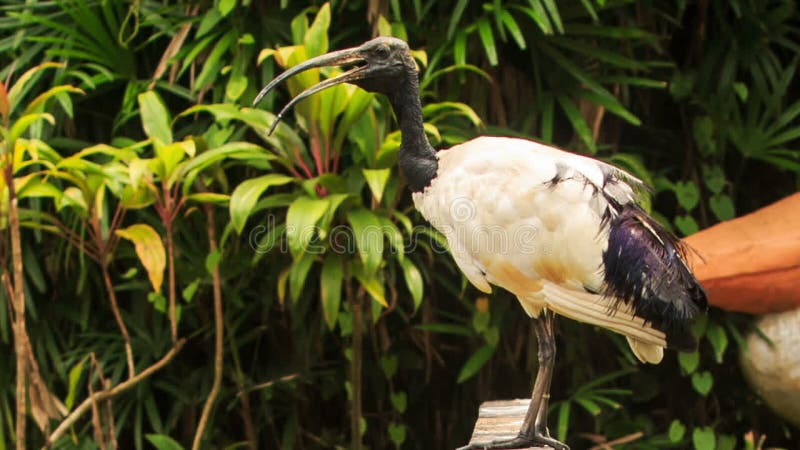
417,156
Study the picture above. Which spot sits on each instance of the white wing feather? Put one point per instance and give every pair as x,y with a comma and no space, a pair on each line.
529,218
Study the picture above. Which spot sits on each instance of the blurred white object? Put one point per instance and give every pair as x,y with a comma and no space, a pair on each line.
773,370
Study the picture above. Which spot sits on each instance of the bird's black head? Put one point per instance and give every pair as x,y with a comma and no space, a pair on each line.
381,65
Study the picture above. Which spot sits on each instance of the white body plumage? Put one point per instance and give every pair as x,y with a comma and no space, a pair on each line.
530,218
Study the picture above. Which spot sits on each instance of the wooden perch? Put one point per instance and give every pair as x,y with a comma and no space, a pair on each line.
499,420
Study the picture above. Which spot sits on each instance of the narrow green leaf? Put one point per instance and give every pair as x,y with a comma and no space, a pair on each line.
455,18
475,363
298,275
74,378
163,442
446,328
578,122
150,250
413,281
562,426
487,39
331,288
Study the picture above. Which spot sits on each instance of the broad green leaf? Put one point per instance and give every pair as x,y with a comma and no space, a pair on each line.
397,434
163,442
369,238
702,382
719,340
687,194
235,87
316,39
413,281
714,178
704,438
191,289
244,197
371,284
689,361
389,365
722,207
331,288
676,431
376,180
155,118
399,401
686,224
149,249
226,6
212,261
301,222
475,362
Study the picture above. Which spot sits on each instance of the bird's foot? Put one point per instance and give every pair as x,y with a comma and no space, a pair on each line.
518,442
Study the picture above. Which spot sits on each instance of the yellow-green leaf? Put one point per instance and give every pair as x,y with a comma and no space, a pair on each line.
376,180
301,222
369,238
149,249
155,118
246,194
413,281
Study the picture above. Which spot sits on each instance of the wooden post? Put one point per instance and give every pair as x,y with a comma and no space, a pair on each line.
500,420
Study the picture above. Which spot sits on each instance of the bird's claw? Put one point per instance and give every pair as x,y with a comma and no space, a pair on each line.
518,442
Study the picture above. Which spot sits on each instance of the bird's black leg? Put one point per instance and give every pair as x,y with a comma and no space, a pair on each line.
534,430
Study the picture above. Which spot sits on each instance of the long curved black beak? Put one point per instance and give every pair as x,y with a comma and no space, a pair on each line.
337,58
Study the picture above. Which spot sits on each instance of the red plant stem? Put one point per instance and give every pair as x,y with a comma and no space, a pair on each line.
316,151
173,314
301,162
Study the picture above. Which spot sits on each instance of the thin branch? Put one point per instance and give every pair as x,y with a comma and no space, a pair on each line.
112,297
218,331
18,301
108,393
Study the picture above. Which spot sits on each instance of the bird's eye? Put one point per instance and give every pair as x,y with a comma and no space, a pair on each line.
382,52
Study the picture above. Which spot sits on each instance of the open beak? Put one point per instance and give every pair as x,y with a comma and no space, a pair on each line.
337,58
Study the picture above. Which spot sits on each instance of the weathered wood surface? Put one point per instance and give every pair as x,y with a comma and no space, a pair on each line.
500,419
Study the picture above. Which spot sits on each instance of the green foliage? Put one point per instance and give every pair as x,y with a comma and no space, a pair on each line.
125,124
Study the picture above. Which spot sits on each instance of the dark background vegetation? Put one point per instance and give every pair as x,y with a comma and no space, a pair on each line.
698,98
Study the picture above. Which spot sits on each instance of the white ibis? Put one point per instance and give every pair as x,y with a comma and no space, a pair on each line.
562,232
